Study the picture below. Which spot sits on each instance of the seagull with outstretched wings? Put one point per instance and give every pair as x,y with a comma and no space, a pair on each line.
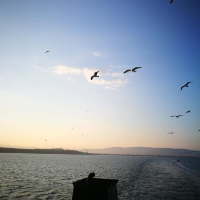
133,70
186,85
188,111
179,116
95,75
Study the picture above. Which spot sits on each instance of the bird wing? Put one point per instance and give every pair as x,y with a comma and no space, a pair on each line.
92,77
171,1
128,70
136,68
188,83
180,115
95,74
182,87
172,116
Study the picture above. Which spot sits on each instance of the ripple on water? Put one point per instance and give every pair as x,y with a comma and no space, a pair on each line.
37,176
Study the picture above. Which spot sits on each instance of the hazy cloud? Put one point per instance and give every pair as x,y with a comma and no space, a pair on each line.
117,74
109,82
65,70
97,54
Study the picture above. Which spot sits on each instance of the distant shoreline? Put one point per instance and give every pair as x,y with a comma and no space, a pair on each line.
39,151
74,152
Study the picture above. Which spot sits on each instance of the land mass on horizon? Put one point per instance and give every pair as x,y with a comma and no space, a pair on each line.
144,151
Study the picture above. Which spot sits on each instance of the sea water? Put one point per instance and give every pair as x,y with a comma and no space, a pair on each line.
42,176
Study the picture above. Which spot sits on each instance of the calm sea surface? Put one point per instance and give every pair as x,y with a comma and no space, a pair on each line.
39,176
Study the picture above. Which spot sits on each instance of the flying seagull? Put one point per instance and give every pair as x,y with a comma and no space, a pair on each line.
133,70
95,75
186,85
172,1
170,133
188,111
173,116
176,161
47,51
178,116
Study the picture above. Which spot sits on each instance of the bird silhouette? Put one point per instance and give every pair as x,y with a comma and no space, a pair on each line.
133,70
89,178
95,75
188,111
170,133
178,116
172,1
47,51
173,116
199,130
186,85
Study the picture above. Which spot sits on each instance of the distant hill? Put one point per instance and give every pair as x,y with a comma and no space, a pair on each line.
39,151
144,151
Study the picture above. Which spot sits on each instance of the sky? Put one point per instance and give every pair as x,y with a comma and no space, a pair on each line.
49,96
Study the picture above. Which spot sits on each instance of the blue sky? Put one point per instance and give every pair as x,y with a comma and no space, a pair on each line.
43,96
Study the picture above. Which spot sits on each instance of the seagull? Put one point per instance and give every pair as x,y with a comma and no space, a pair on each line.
90,176
172,1
178,116
95,75
186,85
47,51
188,111
133,70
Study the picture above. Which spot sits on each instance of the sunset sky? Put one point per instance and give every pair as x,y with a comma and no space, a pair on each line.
46,96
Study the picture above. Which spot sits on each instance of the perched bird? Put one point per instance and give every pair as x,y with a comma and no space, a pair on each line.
133,70
172,1
188,111
95,75
186,85
47,51
89,178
